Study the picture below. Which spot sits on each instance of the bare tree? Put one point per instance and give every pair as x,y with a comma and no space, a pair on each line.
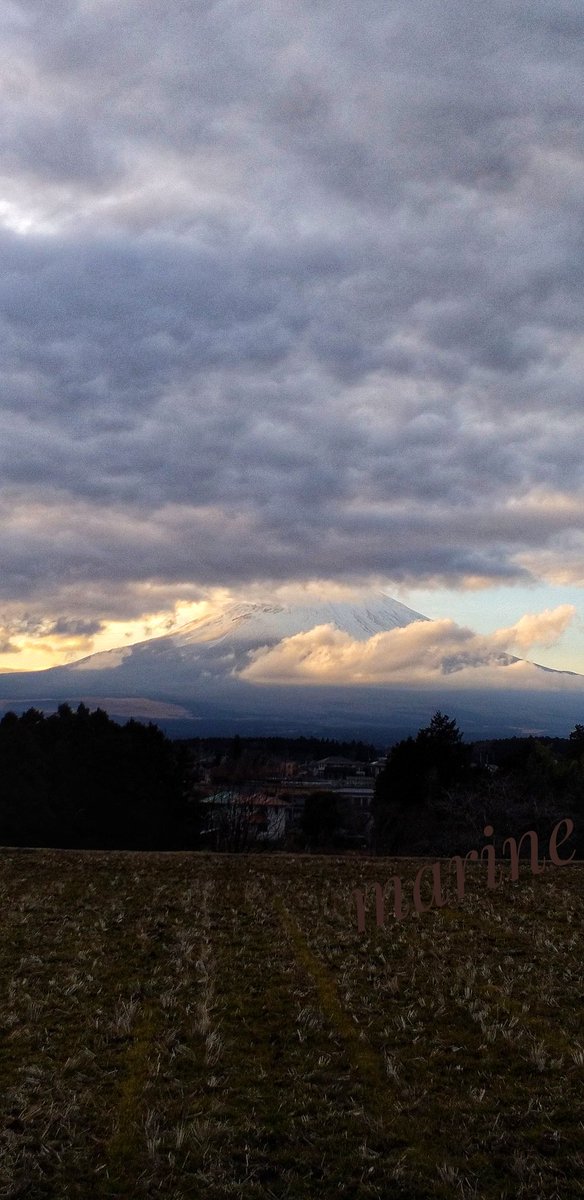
233,821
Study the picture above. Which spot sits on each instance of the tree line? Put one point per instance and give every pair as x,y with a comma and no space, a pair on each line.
434,797
78,779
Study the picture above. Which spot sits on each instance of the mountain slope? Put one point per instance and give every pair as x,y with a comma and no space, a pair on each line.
266,623
195,672
240,627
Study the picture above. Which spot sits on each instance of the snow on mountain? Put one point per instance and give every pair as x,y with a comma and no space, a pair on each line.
215,645
264,623
102,661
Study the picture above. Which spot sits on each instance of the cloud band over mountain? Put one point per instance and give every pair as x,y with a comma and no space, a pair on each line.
423,653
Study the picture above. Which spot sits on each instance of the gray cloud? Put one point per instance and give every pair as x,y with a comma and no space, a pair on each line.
288,290
75,628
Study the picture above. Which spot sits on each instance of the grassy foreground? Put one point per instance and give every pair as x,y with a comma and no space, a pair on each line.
177,1025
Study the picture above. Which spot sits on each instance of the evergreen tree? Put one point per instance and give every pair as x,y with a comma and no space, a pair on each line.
417,773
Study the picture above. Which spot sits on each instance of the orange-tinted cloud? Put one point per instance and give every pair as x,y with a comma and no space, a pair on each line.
424,652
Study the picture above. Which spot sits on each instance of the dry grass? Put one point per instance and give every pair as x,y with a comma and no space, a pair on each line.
178,1025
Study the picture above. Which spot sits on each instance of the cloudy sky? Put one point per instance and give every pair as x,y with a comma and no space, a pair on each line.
291,298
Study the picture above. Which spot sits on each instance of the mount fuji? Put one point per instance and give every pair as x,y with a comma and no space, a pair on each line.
190,681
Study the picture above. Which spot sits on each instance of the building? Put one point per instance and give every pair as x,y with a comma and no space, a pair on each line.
238,819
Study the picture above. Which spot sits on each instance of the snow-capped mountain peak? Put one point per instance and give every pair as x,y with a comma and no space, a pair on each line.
268,622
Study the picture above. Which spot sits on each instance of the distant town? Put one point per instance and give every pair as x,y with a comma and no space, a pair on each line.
271,794
268,805
78,779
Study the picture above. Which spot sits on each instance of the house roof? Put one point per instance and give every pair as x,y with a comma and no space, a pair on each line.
333,761
253,800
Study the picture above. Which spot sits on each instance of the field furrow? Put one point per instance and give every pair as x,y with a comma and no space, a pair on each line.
177,1025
